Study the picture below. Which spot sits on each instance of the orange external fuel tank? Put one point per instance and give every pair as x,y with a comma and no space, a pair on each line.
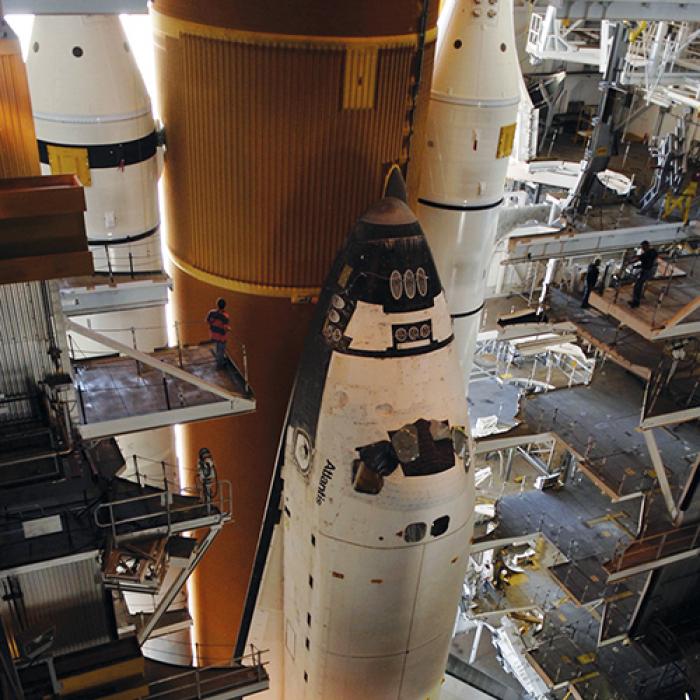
18,152
282,118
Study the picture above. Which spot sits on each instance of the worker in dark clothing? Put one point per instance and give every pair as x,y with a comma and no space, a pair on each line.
648,262
591,278
218,321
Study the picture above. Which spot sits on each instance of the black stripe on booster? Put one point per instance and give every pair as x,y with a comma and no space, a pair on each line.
109,155
464,314
459,207
126,239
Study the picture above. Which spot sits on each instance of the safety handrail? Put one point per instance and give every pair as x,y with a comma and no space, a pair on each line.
235,667
223,502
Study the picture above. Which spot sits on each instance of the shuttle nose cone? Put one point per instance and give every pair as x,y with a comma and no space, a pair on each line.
389,212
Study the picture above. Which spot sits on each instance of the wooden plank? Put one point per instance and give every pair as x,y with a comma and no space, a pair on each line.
683,312
45,267
27,197
640,370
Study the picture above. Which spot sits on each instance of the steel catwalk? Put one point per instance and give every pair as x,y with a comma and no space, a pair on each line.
282,119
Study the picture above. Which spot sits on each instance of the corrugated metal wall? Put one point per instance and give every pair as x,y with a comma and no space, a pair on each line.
67,596
25,340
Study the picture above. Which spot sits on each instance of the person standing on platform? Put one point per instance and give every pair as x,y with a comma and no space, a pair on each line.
218,320
648,261
592,274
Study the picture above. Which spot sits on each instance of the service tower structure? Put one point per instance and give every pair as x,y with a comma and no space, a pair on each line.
93,119
282,120
469,139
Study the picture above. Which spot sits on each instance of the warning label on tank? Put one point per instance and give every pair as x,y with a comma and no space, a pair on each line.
506,136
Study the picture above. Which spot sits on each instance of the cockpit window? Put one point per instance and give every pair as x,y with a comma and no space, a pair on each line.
440,430
405,444
421,448
430,451
422,281
364,480
409,283
396,284
415,532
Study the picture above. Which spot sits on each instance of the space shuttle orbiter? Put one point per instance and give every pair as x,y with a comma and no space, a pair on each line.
374,495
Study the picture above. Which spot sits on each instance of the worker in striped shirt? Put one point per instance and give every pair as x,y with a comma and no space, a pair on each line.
218,321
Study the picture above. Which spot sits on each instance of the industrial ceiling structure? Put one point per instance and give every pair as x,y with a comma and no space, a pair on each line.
355,356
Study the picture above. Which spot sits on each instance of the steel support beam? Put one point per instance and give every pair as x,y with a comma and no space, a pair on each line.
651,565
628,10
489,444
75,7
563,244
673,418
660,470
145,632
161,419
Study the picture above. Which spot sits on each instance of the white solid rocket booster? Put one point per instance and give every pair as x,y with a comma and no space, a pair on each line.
471,126
93,118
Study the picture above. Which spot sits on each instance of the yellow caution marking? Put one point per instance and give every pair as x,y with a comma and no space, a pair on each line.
585,659
65,160
360,77
506,138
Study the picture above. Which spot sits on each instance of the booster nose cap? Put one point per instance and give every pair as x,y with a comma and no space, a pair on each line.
389,212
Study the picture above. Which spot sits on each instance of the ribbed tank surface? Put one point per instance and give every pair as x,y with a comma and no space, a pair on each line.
282,118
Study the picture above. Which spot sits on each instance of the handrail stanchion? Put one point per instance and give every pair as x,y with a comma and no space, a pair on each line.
136,469
179,343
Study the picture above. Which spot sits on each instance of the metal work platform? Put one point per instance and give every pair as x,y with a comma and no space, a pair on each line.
237,679
673,386
585,581
100,294
670,306
119,395
654,552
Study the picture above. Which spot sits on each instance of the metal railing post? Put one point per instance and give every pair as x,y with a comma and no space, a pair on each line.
109,263
81,401
179,344
133,342
165,391
136,469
